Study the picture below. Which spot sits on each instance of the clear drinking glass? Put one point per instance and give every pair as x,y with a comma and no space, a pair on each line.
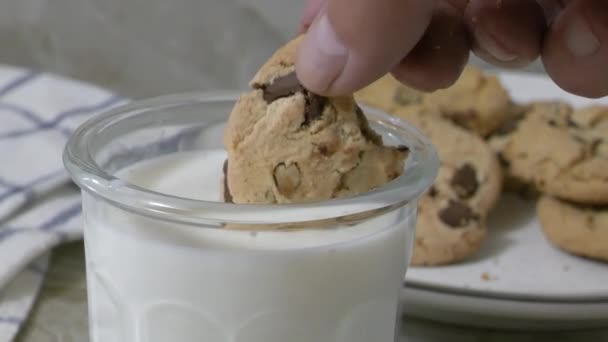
162,266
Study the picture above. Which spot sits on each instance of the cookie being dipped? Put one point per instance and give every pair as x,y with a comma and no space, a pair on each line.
286,144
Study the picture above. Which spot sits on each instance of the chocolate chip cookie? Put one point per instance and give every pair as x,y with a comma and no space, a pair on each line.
501,136
562,152
286,144
452,214
477,101
391,96
577,229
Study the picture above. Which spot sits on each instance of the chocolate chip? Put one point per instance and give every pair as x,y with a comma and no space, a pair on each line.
571,123
288,85
462,119
595,145
579,139
508,126
313,108
457,214
433,192
227,194
503,161
526,191
403,148
287,178
465,181
282,86
323,150
552,123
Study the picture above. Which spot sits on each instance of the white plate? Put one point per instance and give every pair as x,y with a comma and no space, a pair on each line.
517,275
496,313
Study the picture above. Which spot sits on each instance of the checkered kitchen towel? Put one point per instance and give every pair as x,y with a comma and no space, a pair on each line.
39,208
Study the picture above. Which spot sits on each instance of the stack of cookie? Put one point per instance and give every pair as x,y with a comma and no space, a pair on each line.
487,143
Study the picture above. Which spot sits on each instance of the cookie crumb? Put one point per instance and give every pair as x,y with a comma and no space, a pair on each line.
485,276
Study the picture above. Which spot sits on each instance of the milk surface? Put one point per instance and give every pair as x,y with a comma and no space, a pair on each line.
153,281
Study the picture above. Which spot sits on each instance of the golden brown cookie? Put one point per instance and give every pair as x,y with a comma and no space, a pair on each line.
562,152
501,136
286,144
477,101
390,95
452,215
577,229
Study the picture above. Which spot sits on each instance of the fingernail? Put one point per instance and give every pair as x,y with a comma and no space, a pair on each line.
580,39
322,55
489,44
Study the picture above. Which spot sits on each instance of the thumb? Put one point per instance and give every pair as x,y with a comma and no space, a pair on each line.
351,43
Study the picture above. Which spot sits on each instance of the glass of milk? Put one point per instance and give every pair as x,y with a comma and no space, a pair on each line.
168,260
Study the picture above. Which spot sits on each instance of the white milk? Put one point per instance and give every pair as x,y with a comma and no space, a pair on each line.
152,281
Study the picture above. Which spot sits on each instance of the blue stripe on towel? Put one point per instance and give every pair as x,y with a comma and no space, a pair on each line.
5,232
61,217
18,82
27,188
42,125
112,100
24,113
6,183
17,134
15,190
54,222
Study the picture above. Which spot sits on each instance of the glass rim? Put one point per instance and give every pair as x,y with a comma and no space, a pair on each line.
419,173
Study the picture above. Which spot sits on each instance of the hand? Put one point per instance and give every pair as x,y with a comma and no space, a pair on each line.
426,43
351,43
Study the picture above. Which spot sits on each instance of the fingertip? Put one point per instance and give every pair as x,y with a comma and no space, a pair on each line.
321,56
351,43
576,49
425,80
439,58
506,33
